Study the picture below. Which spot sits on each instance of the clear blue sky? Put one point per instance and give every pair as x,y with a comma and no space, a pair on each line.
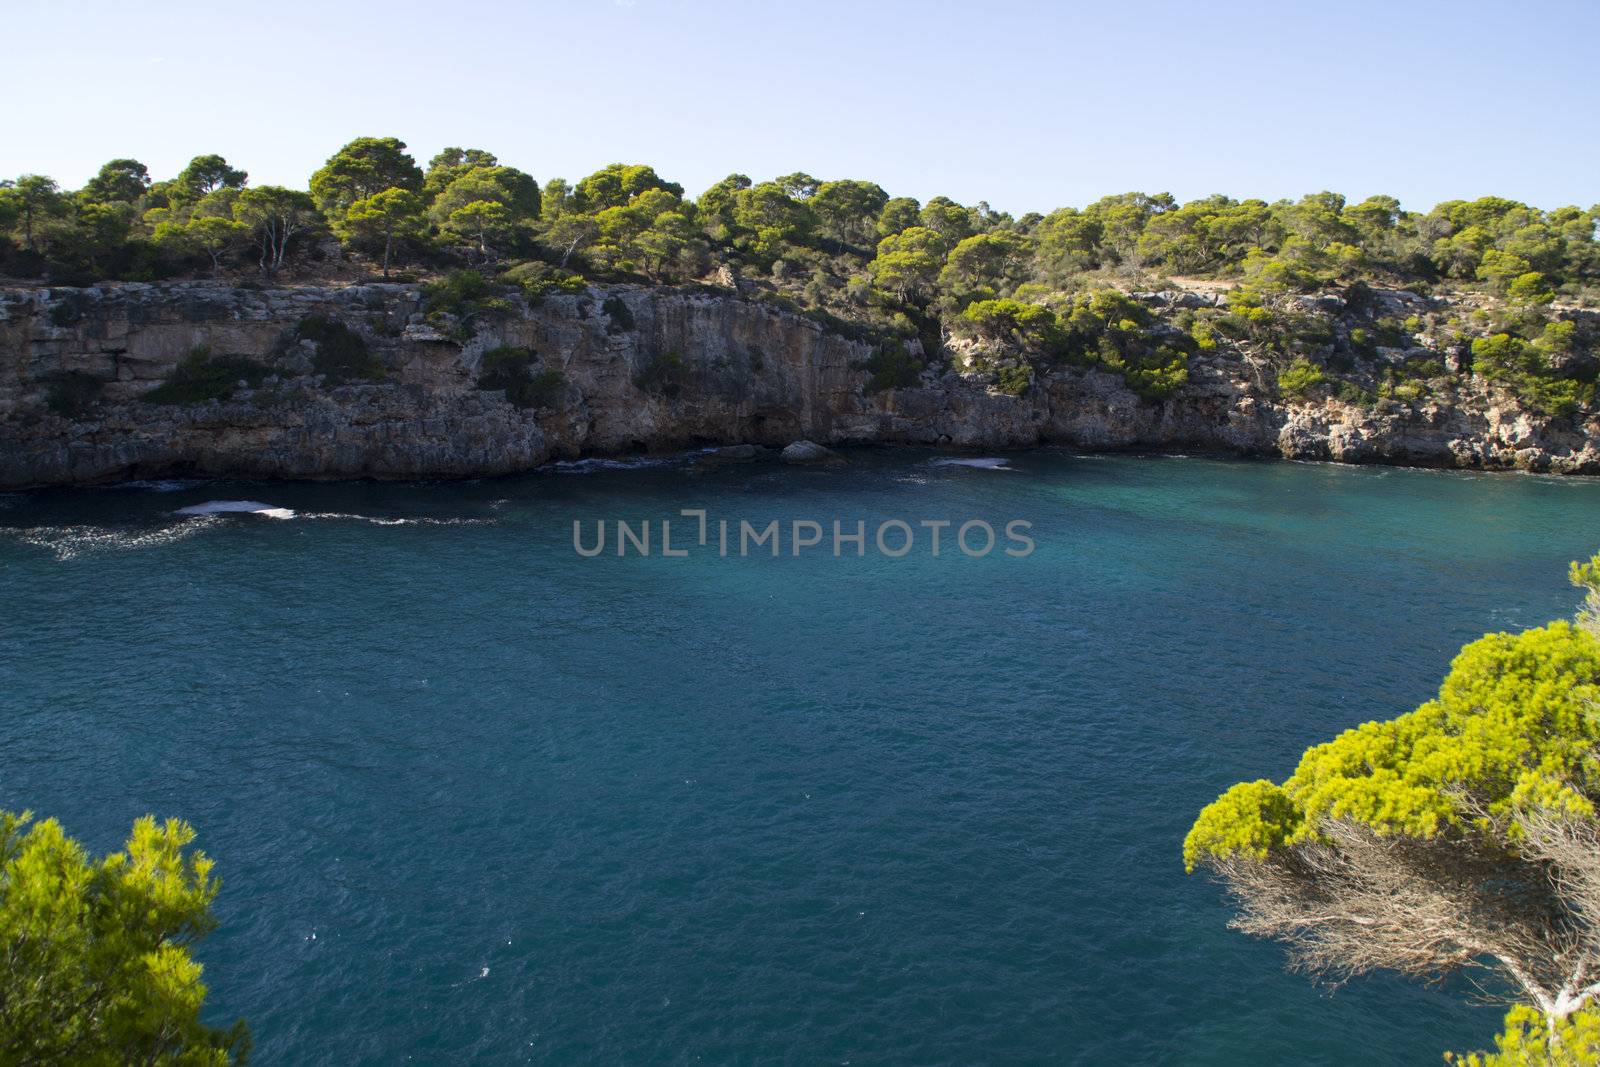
1029,105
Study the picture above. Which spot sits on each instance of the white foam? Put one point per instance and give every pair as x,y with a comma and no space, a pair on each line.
389,522
988,463
69,542
602,463
234,507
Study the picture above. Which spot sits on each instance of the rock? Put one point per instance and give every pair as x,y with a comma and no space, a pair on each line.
421,333
809,452
700,365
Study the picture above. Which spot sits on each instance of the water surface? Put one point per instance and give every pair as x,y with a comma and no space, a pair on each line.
474,798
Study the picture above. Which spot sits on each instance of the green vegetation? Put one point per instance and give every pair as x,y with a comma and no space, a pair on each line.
511,369
617,311
663,374
1300,377
892,366
202,376
73,392
884,268
342,355
1465,834
98,966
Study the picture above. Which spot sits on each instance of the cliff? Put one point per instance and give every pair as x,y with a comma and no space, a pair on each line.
361,382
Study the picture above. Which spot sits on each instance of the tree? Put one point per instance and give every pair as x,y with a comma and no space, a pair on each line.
1067,241
364,167
849,209
799,185
776,218
203,175
515,191
275,216
449,165
212,234
1461,835
98,969
570,232
1529,1040
556,199
898,214
948,218
908,263
984,261
716,206
617,184
478,220
387,218
35,199
120,179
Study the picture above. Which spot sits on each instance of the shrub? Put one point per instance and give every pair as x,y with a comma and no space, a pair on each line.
1157,375
202,377
1351,393
1300,377
662,374
892,366
1013,380
1525,368
616,310
342,355
1031,325
456,291
511,369
538,280
73,392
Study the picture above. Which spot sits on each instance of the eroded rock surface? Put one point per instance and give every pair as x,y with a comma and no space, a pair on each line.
661,369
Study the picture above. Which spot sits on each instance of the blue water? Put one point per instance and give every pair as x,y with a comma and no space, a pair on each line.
476,799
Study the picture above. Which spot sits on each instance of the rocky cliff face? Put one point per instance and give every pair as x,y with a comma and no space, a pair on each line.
639,369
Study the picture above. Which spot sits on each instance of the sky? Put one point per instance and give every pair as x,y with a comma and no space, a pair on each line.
1025,105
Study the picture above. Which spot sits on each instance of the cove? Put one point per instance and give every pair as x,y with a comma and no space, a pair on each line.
473,797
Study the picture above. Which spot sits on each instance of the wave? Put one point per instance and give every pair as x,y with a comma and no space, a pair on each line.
272,511
232,507
988,463
376,521
70,542
601,463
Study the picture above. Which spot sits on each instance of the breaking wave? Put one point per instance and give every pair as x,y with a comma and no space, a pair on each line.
70,542
988,463
231,507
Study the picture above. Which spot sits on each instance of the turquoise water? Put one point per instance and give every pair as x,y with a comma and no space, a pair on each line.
477,799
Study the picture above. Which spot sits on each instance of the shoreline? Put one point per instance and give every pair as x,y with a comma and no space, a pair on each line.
690,461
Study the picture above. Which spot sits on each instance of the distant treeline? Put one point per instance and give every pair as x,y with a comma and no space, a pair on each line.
845,236
1050,286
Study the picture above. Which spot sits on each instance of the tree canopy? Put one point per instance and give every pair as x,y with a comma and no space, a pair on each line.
905,270
98,967
1464,834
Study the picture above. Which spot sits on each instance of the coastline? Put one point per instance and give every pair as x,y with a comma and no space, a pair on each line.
363,382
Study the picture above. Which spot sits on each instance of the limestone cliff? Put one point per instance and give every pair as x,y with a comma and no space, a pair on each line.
639,369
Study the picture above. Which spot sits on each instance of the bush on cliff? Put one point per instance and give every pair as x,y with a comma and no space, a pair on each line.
1300,377
662,374
511,369
202,377
892,366
73,392
342,356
